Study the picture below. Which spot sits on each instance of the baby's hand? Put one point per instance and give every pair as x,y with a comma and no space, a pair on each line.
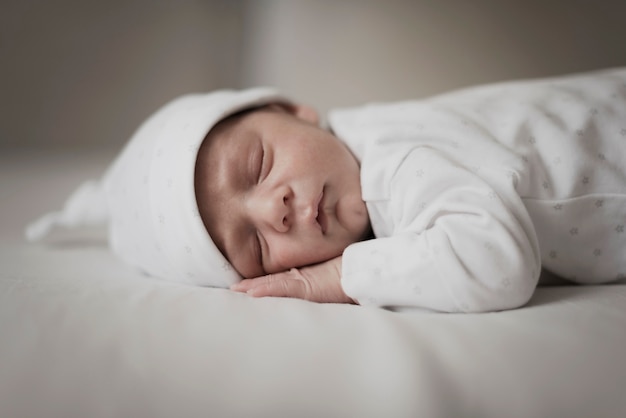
317,283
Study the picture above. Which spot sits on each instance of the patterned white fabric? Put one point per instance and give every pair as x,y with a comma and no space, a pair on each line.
148,197
471,191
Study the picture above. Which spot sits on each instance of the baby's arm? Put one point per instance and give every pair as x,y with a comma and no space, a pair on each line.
471,249
317,283
458,243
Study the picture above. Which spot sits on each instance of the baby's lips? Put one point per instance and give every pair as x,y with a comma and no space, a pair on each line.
321,218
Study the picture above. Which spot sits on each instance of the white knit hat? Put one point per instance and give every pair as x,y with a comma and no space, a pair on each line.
148,196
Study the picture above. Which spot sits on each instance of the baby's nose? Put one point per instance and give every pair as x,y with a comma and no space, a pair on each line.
273,208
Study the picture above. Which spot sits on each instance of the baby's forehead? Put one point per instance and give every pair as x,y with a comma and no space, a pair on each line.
223,140
220,131
238,126
234,120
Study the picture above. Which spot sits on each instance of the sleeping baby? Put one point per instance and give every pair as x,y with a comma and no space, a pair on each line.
452,203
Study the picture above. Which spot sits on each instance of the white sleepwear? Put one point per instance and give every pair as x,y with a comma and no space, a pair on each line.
470,193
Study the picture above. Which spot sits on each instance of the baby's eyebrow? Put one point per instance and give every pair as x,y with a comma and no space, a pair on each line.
245,162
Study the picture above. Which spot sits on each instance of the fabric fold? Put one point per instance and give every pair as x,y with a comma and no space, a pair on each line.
87,206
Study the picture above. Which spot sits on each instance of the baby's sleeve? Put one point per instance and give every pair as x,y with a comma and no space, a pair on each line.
459,243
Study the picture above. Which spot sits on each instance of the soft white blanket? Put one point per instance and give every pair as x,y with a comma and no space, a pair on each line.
84,335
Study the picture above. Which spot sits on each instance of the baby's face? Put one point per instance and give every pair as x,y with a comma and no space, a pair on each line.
276,191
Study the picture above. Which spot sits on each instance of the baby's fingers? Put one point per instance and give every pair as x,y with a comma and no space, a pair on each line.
246,284
243,286
278,287
287,284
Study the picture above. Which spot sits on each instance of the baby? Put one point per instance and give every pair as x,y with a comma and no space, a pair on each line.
275,192
452,203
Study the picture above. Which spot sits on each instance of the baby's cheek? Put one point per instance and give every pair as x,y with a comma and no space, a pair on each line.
300,254
355,219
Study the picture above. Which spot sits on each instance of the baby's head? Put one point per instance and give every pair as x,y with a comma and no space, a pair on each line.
277,191
233,183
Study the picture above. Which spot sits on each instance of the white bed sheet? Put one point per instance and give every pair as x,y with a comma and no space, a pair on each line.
82,335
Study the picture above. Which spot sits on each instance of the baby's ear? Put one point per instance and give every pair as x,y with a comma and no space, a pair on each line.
300,111
306,113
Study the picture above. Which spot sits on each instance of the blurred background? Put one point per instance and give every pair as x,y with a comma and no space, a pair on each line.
85,73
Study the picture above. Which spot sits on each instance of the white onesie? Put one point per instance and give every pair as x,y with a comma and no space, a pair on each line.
471,192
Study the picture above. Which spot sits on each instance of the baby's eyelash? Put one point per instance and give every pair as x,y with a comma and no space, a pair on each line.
260,250
261,165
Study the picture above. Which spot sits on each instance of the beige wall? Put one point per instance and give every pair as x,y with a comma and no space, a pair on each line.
346,52
87,72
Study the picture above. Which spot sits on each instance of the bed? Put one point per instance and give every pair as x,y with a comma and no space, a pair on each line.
83,335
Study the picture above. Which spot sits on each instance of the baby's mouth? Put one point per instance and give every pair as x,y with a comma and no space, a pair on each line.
321,217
